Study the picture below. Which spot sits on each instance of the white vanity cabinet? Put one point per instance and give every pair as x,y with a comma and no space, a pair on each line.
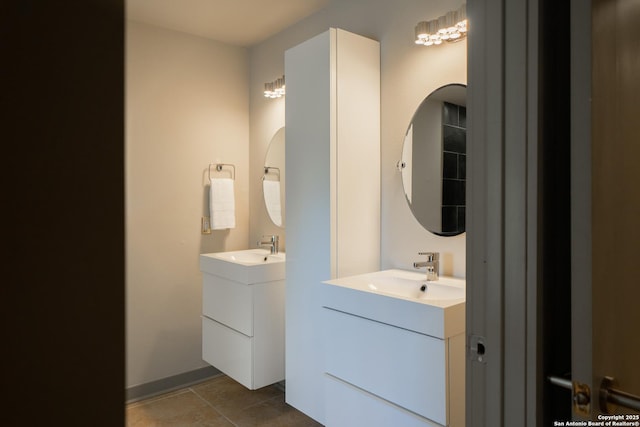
392,361
391,375
243,318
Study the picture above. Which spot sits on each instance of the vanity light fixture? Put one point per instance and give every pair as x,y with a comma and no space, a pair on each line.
451,27
274,89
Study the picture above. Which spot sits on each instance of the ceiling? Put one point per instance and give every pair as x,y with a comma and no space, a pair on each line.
236,22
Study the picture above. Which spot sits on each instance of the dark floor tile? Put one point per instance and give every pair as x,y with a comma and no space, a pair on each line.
231,398
273,413
182,408
220,401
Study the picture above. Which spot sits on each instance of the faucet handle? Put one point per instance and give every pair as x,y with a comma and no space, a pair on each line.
431,256
272,240
432,264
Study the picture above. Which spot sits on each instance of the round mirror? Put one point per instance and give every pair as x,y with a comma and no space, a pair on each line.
273,179
433,164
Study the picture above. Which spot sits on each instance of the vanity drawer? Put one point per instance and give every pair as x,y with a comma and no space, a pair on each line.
403,367
228,350
348,406
228,302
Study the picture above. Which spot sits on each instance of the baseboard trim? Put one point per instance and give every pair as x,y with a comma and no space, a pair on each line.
165,385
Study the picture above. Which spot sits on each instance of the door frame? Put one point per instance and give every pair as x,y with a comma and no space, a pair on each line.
505,304
581,171
503,287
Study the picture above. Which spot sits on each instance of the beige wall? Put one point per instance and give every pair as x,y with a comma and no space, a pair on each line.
187,105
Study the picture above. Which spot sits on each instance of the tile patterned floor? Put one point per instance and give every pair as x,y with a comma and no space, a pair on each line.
220,401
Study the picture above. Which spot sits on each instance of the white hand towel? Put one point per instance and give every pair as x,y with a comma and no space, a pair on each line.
272,200
222,208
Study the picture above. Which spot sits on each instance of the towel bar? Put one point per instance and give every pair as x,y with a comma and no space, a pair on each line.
219,167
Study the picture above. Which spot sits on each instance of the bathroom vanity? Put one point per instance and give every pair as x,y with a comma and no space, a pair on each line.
394,352
243,315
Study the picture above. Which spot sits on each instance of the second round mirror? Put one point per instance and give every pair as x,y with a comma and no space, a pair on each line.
433,164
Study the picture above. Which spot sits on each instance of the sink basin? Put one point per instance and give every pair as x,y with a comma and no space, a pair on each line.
443,289
395,297
247,266
408,285
250,256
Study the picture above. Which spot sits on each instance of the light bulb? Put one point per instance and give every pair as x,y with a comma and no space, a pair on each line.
421,32
450,27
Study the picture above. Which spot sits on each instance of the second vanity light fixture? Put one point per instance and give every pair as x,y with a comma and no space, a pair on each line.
451,27
274,89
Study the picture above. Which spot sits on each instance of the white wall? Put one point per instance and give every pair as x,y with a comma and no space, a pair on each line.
409,73
187,105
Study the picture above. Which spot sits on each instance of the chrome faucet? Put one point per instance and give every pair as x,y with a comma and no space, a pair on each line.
432,264
272,242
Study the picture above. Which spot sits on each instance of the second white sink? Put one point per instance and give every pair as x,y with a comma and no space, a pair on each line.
395,297
413,286
245,266
250,256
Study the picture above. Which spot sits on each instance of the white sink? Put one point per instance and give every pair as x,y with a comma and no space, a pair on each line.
417,289
408,285
245,266
250,256
396,283
395,297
